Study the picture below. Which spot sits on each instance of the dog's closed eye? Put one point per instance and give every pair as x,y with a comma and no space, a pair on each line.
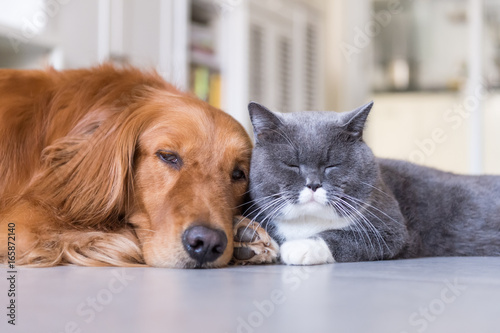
170,158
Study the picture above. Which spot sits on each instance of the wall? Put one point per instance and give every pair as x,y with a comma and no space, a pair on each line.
347,77
432,129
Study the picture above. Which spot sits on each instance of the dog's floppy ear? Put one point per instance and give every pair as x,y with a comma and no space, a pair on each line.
89,172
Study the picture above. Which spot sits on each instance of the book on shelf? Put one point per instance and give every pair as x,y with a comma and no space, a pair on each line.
205,75
215,92
206,84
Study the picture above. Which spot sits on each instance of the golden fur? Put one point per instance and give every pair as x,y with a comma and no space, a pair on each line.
81,179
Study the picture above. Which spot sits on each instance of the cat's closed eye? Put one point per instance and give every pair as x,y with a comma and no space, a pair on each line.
331,167
291,166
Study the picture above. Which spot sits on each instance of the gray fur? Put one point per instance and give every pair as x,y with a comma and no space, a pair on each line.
400,210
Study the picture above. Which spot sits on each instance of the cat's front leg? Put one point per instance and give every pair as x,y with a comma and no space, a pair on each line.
366,245
310,251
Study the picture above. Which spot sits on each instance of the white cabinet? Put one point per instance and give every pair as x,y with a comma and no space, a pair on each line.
272,55
285,61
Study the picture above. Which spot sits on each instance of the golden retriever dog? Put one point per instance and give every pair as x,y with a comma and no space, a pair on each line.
114,166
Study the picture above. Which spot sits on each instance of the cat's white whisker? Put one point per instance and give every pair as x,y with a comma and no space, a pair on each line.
371,206
274,206
375,188
369,224
256,202
360,229
353,221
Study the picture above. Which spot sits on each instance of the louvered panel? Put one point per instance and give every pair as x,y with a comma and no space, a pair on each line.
284,74
256,66
311,66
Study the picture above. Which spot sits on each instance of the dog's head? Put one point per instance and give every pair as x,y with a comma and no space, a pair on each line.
170,167
191,169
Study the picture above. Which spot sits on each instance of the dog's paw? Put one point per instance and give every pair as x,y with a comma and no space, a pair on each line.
252,244
306,252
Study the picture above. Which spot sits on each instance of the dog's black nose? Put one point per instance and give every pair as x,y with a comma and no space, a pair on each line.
204,244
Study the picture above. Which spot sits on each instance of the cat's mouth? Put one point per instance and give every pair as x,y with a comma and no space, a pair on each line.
310,197
308,203
309,208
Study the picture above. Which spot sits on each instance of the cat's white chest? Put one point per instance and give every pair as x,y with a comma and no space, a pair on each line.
308,226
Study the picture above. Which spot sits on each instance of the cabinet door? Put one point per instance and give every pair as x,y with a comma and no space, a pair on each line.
271,59
309,61
284,58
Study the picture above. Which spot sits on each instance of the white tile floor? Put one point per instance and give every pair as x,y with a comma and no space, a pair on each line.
423,295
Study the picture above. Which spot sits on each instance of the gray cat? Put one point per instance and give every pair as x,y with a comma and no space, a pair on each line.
323,196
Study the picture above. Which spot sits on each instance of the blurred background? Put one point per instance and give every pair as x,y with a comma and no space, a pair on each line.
431,66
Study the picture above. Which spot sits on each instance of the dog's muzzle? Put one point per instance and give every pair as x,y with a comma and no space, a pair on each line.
204,244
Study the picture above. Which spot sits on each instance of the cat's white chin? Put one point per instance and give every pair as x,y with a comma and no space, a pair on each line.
309,204
310,209
306,252
307,226
309,196
308,217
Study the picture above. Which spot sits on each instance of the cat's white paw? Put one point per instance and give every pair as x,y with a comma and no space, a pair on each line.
306,252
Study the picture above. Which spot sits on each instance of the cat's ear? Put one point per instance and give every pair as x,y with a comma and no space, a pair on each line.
354,121
264,121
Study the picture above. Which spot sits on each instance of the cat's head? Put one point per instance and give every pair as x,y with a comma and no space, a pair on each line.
306,163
